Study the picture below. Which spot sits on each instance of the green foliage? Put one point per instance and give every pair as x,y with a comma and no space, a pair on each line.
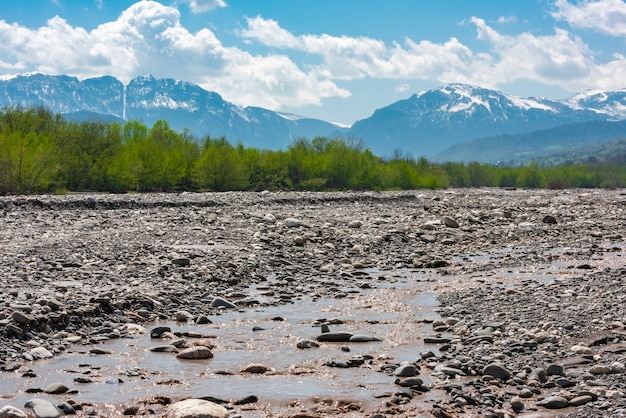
41,152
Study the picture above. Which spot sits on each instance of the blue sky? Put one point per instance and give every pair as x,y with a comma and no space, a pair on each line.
337,60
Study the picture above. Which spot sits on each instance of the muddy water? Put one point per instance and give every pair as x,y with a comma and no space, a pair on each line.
395,311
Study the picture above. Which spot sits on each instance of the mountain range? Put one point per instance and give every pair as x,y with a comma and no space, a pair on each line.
436,123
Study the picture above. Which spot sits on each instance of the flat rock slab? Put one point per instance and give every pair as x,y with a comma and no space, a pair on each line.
335,337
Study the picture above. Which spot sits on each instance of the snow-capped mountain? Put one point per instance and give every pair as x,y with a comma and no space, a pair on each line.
422,125
181,104
431,121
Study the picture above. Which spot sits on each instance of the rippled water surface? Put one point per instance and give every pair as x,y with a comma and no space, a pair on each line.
394,312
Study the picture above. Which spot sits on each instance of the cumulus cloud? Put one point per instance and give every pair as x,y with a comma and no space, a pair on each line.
148,38
557,59
605,16
203,6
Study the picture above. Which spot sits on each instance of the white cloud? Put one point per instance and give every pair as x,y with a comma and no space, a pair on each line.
401,88
507,19
605,16
148,38
202,6
559,59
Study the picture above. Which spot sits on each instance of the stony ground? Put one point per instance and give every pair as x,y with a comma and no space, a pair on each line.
531,286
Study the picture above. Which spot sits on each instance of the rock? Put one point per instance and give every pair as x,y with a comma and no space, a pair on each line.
549,219
517,404
269,218
43,408
409,381
428,238
335,336
181,262
164,349
599,369
219,302
406,370
56,388
255,368
580,349
449,222
498,371
617,367
554,370
196,408
12,412
304,344
362,338
553,402
20,317
525,393
159,331
40,353
183,316
247,400
195,353
355,224
293,222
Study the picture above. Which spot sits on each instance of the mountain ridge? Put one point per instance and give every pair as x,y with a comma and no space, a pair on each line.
425,124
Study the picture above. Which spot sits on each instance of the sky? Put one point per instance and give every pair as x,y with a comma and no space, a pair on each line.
336,60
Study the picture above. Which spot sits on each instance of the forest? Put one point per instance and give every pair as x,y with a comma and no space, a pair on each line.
42,152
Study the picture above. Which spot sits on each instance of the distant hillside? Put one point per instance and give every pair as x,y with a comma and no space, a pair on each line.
607,152
520,148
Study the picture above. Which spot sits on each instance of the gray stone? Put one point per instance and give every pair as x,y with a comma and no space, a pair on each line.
409,381
43,408
196,408
195,353
40,353
164,349
219,302
183,316
450,223
56,388
517,404
293,222
498,371
12,412
304,344
553,402
255,368
554,370
335,336
618,367
181,262
406,370
20,317
157,332
362,338
599,369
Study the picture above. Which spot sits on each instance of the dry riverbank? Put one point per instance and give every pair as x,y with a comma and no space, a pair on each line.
529,320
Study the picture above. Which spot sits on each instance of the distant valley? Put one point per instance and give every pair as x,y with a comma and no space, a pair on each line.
455,122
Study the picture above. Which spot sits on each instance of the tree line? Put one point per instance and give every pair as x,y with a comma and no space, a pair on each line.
42,152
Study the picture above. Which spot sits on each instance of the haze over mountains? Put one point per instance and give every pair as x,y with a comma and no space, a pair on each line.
426,124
